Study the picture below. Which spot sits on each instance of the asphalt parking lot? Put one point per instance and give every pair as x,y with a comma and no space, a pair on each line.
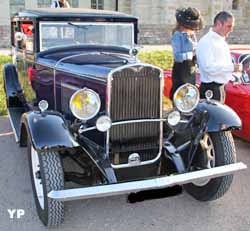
230,213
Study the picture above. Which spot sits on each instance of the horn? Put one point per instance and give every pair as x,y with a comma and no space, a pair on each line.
19,36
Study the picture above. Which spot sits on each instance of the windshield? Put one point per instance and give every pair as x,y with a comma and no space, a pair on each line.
56,34
245,60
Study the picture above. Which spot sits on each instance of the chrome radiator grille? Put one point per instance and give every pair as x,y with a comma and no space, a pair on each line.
135,94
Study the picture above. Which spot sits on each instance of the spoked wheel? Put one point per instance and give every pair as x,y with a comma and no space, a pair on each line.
216,149
46,175
208,151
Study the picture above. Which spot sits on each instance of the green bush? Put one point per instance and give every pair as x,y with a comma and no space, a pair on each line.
162,59
3,60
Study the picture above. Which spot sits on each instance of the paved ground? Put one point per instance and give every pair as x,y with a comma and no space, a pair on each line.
230,213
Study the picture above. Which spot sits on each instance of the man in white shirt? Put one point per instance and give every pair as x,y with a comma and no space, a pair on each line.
60,4
214,59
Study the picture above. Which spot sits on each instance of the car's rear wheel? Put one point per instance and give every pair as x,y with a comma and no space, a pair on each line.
216,149
46,175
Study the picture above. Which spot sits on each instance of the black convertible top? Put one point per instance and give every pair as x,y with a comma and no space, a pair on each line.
73,13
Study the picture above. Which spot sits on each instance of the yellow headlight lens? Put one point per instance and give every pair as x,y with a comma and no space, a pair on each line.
85,104
77,101
186,98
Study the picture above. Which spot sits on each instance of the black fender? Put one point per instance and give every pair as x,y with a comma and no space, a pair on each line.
221,117
46,130
12,86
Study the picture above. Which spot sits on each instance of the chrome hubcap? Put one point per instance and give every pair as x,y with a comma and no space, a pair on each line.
209,155
37,177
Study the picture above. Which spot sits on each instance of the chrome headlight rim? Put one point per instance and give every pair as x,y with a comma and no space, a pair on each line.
187,111
98,104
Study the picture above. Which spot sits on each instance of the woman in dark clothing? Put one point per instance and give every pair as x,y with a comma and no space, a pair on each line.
184,43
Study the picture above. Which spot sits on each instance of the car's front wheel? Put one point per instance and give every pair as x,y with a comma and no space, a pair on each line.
46,175
216,149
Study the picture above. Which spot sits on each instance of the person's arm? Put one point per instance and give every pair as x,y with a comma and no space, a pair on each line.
179,55
67,4
207,60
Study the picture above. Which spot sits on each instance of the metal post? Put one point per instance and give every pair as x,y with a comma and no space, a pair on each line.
116,5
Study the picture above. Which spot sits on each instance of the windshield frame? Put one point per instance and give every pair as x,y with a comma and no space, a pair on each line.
245,74
74,23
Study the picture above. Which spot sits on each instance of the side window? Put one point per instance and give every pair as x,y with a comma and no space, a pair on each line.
27,30
97,4
235,4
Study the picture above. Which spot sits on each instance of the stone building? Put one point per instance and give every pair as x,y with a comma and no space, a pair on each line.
156,17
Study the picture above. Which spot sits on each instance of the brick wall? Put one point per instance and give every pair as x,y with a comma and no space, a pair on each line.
16,5
5,36
156,18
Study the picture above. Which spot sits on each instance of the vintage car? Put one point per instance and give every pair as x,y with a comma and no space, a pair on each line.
237,90
91,115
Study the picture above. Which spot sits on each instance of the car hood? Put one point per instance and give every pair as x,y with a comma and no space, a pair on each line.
89,62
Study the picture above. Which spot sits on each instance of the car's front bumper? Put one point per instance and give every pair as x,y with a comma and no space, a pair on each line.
136,186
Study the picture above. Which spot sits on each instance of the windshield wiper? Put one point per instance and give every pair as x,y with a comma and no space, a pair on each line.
79,26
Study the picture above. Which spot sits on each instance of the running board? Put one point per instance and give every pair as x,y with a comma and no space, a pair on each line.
136,186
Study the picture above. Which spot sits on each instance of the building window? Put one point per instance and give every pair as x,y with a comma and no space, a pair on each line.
97,4
43,3
16,6
235,4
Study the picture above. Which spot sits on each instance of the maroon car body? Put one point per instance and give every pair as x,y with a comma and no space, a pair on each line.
91,115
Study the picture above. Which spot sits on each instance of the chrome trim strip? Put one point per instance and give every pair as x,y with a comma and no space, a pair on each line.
142,163
183,121
94,161
69,86
161,112
246,57
136,186
108,103
54,70
138,121
45,65
102,79
123,122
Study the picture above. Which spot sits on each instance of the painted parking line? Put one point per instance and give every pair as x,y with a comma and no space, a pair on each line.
6,134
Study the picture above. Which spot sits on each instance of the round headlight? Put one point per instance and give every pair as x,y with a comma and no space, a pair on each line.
103,123
174,118
186,98
85,104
